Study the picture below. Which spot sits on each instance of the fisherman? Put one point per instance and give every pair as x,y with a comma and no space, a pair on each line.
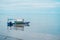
10,24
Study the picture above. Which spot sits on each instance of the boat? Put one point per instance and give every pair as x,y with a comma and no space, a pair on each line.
17,22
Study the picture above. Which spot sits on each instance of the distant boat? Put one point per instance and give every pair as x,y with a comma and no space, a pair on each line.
17,22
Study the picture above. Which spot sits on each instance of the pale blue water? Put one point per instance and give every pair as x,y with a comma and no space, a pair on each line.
44,21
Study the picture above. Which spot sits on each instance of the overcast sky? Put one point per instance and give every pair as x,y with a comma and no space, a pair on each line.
30,6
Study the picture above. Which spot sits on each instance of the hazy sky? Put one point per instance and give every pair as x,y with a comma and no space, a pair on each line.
30,7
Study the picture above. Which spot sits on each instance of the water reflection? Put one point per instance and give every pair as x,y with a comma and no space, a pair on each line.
20,28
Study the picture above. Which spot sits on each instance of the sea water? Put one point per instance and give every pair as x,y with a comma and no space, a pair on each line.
44,21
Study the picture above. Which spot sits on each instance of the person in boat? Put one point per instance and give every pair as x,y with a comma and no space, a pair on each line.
10,24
